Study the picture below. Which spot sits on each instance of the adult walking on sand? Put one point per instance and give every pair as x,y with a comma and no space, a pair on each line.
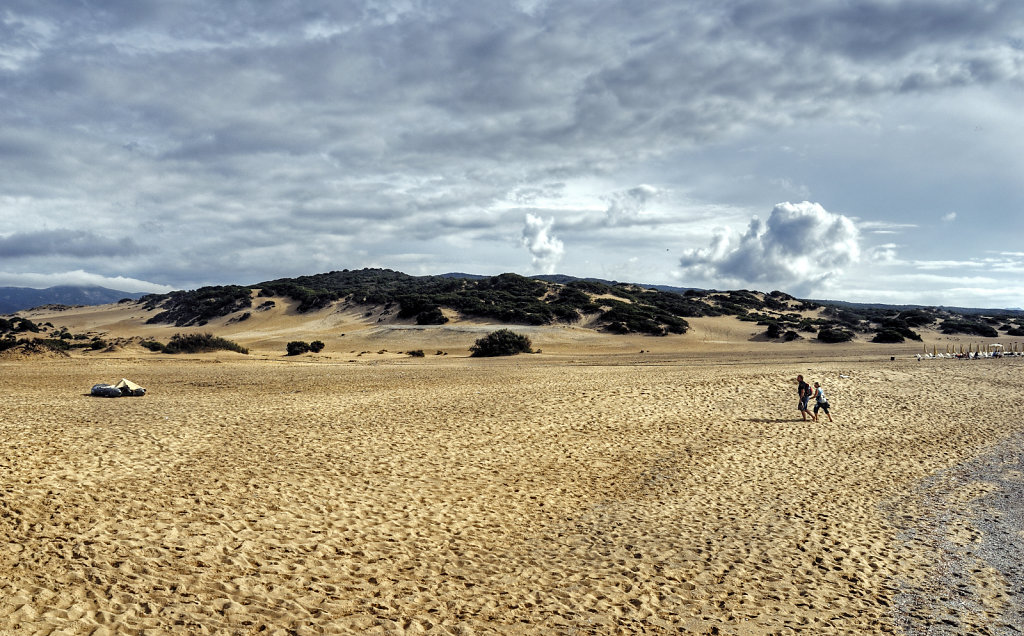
804,391
820,402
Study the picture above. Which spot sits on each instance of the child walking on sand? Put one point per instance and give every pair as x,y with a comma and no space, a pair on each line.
820,402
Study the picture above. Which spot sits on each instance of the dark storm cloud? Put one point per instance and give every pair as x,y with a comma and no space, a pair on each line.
875,29
64,243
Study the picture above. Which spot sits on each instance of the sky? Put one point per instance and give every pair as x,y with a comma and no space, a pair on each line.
860,150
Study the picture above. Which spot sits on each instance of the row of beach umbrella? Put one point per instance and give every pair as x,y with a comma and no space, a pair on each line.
981,348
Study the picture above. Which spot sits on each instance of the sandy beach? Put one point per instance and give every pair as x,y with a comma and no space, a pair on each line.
564,492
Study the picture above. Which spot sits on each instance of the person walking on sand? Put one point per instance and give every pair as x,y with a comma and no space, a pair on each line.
820,402
804,391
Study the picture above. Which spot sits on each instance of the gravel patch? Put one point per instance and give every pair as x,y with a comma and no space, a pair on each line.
966,527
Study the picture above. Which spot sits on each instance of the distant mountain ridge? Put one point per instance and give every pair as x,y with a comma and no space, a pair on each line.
1011,311
14,299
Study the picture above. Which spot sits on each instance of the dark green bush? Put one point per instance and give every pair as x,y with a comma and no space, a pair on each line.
732,308
18,324
432,316
417,353
916,317
807,326
953,326
849,318
773,331
152,345
888,336
316,346
502,342
834,334
900,326
197,306
54,344
201,343
626,317
297,347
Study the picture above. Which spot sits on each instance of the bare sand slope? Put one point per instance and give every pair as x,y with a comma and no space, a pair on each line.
528,495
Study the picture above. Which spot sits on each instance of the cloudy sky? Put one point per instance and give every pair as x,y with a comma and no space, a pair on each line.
866,150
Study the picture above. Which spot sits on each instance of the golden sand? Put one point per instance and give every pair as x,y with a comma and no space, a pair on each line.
564,492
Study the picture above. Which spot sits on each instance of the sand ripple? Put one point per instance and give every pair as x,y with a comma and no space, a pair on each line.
472,496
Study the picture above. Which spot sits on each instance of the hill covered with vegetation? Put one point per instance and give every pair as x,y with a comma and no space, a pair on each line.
614,307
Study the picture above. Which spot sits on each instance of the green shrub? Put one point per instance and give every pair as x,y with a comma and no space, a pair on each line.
432,316
625,318
152,345
297,347
900,326
197,306
41,344
773,331
835,334
502,342
201,343
916,317
54,344
19,324
888,336
418,353
849,318
971,328
807,326
97,344
316,346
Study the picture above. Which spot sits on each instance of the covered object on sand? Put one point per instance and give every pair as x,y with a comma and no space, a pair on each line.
124,388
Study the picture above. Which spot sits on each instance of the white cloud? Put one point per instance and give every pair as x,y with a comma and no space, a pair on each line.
949,218
80,278
801,247
546,250
625,207
884,227
883,253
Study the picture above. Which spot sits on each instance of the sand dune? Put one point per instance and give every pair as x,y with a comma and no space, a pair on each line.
592,489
